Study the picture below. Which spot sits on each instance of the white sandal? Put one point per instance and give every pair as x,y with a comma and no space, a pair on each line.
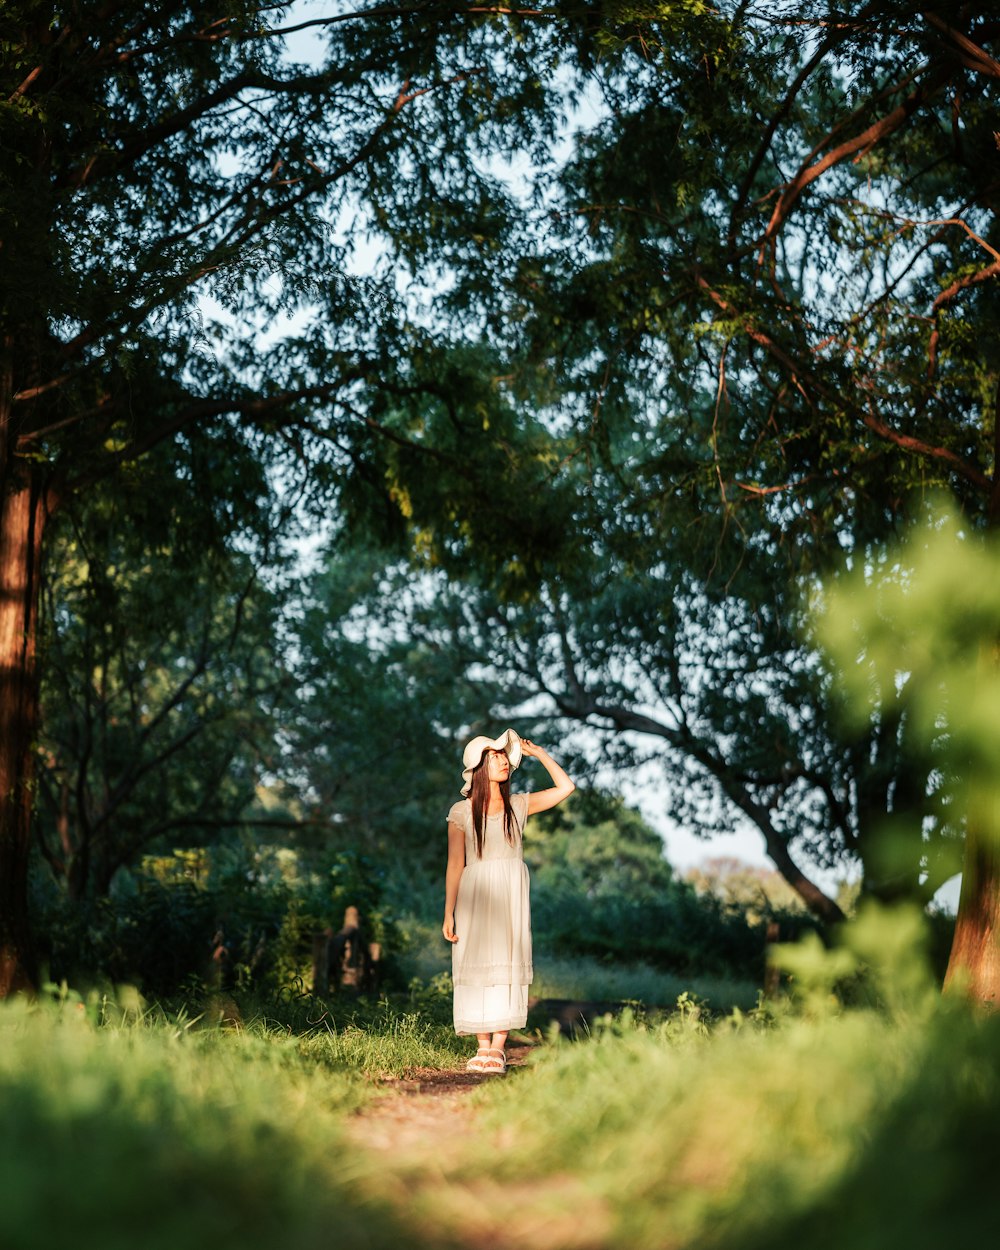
495,1062
478,1060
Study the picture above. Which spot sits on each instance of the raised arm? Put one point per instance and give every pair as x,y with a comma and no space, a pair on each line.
453,874
562,787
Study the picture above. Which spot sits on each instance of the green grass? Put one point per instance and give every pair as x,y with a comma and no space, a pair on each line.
714,1138
858,1131
391,1046
163,1134
874,1128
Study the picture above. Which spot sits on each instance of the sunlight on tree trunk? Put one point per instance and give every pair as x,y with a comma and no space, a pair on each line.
974,964
23,511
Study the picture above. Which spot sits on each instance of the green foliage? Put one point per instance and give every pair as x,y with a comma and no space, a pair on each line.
181,206
744,315
881,958
234,918
371,738
680,932
601,888
621,425
913,634
161,686
159,935
596,846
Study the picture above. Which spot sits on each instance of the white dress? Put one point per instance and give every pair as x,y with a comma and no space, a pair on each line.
491,961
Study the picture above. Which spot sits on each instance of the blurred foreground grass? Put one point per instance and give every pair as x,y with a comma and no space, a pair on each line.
157,1132
870,1126
855,1131
804,1122
861,1112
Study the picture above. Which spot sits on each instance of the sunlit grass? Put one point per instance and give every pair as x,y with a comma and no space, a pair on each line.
854,1130
392,1048
158,1133
803,1122
713,1138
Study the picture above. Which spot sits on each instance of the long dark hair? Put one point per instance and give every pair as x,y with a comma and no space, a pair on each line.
479,797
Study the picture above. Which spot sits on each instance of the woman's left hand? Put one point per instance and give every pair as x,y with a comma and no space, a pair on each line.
528,748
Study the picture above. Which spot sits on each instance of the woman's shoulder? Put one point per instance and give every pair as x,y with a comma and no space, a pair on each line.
458,812
519,802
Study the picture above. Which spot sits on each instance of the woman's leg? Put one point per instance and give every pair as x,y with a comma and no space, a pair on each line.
498,1041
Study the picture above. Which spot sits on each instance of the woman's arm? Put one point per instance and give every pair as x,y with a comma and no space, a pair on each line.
562,786
452,876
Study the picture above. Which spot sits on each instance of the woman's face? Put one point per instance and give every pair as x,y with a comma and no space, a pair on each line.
497,765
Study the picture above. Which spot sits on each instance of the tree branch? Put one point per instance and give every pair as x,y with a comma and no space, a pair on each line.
855,147
945,297
626,718
869,417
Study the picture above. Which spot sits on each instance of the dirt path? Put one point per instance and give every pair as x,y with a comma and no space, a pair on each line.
407,1113
428,1153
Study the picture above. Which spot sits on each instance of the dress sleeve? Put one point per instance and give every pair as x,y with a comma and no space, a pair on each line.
456,814
519,802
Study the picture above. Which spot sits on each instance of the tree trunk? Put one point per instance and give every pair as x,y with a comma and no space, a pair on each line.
24,507
974,963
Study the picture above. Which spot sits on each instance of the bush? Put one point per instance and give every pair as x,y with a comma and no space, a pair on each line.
233,921
681,932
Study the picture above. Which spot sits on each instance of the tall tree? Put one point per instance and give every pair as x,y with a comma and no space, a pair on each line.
827,231
761,231
156,155
829,248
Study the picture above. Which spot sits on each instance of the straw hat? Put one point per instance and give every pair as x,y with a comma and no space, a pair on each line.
508,742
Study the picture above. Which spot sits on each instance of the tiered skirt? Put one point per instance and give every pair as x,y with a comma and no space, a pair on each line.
491,961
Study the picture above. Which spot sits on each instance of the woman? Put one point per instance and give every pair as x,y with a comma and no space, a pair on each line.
486,914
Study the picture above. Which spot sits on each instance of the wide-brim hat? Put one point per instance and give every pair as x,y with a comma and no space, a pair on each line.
508,742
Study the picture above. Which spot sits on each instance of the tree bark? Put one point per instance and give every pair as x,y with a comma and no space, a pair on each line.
24,509
974,962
